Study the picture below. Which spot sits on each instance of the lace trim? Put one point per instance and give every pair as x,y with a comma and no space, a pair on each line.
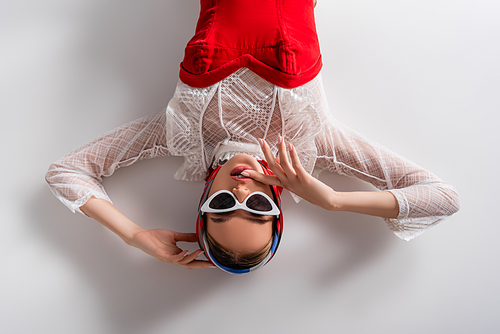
215,123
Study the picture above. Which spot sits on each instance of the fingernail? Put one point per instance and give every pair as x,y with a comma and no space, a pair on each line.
261,142
280,139
290,147
186,253
245,173
201,253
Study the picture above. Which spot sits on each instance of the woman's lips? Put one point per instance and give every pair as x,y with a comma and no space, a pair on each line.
236,174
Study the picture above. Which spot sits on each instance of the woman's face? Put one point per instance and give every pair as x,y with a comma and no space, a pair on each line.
239,230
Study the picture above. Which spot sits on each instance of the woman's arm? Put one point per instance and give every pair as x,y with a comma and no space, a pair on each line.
412,199
75,180
293,177
423,199
76,177
159,243
419,192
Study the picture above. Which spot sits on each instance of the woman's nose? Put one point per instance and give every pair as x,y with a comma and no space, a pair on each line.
241,193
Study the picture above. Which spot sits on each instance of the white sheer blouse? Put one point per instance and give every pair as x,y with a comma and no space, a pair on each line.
212,124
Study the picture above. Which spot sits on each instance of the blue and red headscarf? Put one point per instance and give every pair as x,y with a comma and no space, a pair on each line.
201,225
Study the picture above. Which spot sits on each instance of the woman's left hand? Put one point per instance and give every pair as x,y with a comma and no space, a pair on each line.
162,244
293,177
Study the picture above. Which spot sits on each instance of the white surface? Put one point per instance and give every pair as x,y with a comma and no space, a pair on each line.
71,70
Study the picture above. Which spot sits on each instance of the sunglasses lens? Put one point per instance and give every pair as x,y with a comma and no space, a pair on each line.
259,203
222,201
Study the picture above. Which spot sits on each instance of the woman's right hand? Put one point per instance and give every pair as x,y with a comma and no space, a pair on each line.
162,244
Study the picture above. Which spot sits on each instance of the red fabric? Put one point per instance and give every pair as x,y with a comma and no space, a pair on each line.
276,39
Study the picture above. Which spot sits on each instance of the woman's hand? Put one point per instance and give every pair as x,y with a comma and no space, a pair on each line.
293,176
162,244
159,243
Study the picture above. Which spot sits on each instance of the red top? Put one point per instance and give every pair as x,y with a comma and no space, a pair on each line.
276,39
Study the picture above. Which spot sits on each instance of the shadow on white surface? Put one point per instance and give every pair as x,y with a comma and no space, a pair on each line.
137,291
341,243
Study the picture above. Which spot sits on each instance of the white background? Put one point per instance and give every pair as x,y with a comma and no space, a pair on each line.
421,77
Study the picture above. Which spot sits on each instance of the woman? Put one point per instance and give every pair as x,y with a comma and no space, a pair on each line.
250,90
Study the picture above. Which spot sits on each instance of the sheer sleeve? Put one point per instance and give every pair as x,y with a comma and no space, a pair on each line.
75,178
424,199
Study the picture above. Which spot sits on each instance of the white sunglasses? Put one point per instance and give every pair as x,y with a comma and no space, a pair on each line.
257,203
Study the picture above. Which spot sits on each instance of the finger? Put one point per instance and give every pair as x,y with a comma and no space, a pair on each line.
285,165
199,264
276,168
188,258
174,258
295,160
267,152
187,237
262,178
